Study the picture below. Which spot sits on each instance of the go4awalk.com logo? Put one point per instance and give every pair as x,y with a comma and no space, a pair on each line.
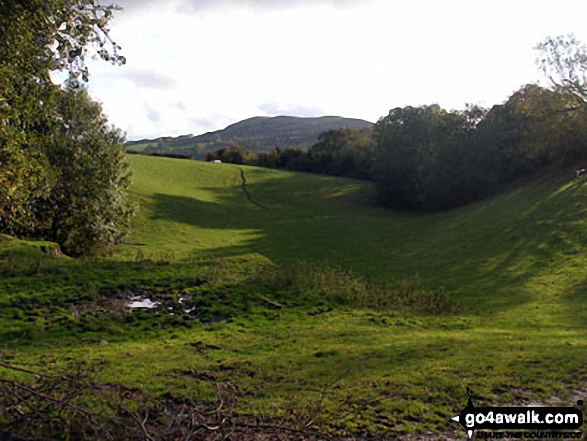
521,422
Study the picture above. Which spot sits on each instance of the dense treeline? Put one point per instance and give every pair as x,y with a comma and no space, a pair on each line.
63,173
161,155
345,151
427,158
431,159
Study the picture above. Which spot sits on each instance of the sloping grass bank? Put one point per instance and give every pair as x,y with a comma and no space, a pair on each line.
506,279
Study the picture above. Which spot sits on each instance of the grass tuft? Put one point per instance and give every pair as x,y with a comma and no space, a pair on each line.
324,282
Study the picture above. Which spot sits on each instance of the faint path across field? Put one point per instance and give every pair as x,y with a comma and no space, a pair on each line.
246,191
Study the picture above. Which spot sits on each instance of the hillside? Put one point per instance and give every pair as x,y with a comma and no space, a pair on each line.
256,134
198,207
290,342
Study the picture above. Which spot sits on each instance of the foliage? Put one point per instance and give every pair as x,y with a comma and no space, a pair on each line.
87,208
37,37
344,152
296,159
563,59
340,152
418,156
431,159
532,130
235,154
270,159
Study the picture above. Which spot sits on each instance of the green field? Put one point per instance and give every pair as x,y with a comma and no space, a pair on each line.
300,351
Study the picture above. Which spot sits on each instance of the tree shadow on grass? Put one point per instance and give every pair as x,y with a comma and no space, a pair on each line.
484,256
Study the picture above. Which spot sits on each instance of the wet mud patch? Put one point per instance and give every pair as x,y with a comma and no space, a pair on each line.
117,311
121,310
222,372
127,302
201,347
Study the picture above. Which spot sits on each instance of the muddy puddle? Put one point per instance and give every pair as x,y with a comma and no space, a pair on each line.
139,302
124,302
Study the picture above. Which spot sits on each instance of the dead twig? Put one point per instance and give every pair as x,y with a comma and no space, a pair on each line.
141,424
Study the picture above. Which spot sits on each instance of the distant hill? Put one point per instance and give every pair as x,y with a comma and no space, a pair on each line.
256,134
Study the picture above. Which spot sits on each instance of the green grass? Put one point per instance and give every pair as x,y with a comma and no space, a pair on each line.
504,245
515,266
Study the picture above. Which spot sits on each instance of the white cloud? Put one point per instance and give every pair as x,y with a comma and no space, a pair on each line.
149,79
275,109
203,5
223,61
223,5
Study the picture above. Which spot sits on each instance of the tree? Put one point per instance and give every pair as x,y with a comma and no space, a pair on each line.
532,130
546,131
344,152
295,158
87,207
563,59
269,159
415,149
235,154
36,37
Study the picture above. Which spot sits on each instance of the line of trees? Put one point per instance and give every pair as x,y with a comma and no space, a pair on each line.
63,172
427,158
431,159
339,152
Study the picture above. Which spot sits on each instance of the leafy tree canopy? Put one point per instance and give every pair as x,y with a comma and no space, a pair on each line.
344,152
37,37
412,143
563,59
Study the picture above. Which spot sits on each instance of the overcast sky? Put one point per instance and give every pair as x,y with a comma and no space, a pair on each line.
195,66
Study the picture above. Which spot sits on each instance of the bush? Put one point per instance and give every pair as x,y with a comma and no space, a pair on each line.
87,208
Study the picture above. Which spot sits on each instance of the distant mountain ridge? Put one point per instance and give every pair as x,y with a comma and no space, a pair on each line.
257,134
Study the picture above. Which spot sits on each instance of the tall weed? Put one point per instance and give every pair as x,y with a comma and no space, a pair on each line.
331,283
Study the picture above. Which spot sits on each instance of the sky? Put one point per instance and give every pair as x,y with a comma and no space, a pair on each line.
195,66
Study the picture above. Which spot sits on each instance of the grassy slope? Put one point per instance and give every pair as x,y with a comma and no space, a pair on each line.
483,253
516,264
